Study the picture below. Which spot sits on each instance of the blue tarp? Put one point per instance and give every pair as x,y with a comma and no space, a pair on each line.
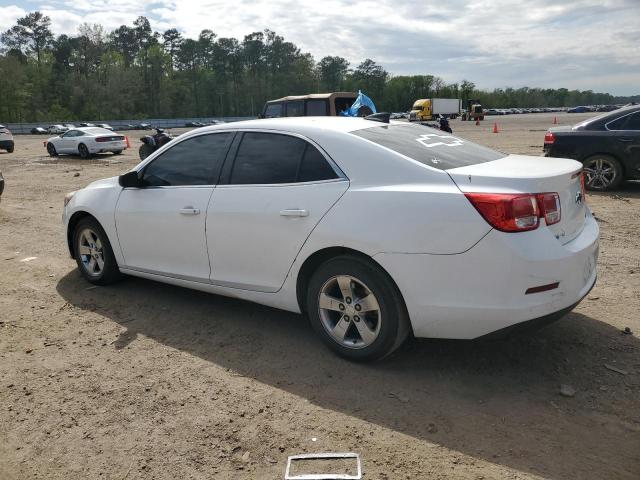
361,100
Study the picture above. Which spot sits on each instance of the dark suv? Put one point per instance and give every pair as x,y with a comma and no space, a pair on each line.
608,146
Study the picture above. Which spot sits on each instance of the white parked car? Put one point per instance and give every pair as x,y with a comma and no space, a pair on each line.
57,129
86,141
376,230
6,139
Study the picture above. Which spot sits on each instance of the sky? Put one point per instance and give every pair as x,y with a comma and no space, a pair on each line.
577,44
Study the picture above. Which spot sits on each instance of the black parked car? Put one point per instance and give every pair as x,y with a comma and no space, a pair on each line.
608,146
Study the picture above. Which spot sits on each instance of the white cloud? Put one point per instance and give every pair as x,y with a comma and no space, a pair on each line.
493,42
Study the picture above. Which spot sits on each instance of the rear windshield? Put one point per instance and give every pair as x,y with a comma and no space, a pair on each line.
429,146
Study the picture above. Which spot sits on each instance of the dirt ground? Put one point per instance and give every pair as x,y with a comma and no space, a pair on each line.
145,380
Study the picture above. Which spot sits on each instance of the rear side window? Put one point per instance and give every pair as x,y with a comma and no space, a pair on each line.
269,158
273,110
628,122
195,161
429,146
316,108
295,109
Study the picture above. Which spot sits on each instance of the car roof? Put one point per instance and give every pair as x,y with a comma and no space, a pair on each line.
315,96
299,124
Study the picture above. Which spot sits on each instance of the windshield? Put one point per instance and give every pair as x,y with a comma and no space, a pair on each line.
429,146
417,107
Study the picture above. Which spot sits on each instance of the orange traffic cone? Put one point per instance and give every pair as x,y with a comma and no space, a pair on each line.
555,121
495,127
477,121
126,139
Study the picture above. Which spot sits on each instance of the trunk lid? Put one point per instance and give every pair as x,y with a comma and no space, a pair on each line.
529,174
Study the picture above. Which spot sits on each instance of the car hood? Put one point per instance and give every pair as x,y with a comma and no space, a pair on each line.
104,183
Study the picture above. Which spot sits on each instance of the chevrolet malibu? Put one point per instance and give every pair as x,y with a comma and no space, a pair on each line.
86,141
376,231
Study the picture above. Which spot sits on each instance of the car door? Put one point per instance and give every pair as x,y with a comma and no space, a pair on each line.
274,190
161,226
625,140
67,142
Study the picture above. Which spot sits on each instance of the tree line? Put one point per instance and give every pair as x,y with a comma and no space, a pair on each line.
134,72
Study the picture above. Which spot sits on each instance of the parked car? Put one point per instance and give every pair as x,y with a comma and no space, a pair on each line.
578,110
142,126
106,126
194,124
375,230
87,125
316,104
38,131
607,145
69,125
56,129
86,141
6,139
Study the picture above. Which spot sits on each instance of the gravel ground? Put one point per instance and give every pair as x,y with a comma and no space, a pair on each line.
145,380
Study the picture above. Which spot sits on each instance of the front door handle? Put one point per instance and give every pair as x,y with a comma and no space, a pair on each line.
190,211
294,212
624,139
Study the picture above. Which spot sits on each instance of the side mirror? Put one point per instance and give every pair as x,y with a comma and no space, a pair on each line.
130,180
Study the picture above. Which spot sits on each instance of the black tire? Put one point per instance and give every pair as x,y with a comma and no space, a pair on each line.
10,149
144,151
51,149
394,325
118,152
592,182
109,273
83,151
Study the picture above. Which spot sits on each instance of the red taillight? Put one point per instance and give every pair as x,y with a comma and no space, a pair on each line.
549,138
509,212
549,204
108,139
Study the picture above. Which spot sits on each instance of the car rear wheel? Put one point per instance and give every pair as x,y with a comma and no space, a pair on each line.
10,149
602,173
83,151
117,152
93,253
51,149
356,309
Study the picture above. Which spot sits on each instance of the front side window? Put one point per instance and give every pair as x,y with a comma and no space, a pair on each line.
295,109
269,158
195,161
273,110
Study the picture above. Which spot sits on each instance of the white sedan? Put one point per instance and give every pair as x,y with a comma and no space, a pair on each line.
377,231
86,141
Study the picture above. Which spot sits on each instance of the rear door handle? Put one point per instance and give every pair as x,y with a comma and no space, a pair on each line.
624,139
190,211
294,212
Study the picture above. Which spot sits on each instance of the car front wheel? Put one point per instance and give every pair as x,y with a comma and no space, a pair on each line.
602,173
93,253
356,309
51,149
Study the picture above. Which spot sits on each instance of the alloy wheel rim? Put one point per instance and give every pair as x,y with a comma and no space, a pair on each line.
91,252
600,173
349,312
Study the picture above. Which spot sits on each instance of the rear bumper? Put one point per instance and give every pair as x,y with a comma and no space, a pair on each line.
112,147
481,291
